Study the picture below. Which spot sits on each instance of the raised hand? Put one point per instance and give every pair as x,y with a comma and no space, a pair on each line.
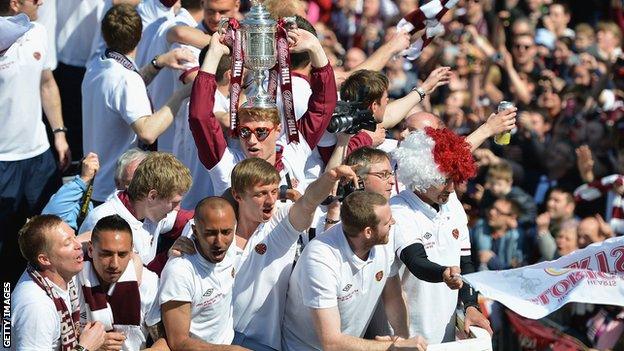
176,58
585,163
437,78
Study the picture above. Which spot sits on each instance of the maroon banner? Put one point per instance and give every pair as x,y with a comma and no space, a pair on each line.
283,63
234,39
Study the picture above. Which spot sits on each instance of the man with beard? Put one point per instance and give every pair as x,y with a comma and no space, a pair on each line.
339,278
430,163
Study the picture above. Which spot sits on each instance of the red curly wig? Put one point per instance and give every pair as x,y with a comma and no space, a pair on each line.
452,154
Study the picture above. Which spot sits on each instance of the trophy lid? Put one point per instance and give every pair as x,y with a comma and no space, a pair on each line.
258,15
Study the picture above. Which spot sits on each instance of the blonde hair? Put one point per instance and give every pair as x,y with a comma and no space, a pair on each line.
251,172
610,27
162,172
500,171
32,239
255,114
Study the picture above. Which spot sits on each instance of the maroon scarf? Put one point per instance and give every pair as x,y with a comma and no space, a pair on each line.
69,319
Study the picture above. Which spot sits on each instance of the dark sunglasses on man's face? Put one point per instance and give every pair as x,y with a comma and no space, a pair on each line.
260,132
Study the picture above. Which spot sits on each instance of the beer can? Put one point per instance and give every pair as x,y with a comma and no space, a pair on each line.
503,138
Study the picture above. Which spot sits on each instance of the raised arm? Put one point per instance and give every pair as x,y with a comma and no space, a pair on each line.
322,102
496,123
302,212
188,35
206,130
378,60
398,109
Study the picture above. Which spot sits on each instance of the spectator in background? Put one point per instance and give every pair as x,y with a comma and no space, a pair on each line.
497,240
499,184
565,242
593,230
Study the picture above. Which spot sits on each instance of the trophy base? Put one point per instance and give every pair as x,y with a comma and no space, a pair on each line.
259,103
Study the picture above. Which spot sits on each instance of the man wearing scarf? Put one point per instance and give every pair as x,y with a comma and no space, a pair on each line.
117,293
45,308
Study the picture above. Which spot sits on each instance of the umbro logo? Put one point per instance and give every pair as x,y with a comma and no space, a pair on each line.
347,287
208,292
428,235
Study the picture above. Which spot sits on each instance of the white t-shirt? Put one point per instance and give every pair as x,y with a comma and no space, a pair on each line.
35,323
113,98
136,336
329,274
149,10
46,15
208,287
444,234
78,21
23,135
144,233
263,268
160,88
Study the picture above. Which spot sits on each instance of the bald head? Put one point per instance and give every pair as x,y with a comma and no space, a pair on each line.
214,228
421,120
212,204
588,232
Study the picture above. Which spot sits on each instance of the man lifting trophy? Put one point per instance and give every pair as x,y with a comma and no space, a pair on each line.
260,44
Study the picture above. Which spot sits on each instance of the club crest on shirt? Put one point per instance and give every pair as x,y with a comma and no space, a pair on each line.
37,55
261,248
208,292
455,233
347,287
428,235
233,272
379,276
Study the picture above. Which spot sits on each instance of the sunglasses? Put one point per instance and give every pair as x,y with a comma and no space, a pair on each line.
260,132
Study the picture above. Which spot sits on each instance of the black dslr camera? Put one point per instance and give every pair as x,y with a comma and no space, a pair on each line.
351,117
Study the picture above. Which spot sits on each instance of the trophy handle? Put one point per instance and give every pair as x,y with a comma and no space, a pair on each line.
290,22
224,23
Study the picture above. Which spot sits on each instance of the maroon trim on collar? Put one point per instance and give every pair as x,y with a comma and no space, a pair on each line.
297,74
125,200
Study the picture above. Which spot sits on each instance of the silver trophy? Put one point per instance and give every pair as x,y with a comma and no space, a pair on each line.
258,34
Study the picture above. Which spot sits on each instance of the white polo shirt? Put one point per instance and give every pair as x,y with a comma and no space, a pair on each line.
208,287
184,147
444,234
144,233
113,98
329,274
136,336
36,323
263,268
77,23
149,10
23,134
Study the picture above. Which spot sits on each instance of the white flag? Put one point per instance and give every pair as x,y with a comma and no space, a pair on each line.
592,275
